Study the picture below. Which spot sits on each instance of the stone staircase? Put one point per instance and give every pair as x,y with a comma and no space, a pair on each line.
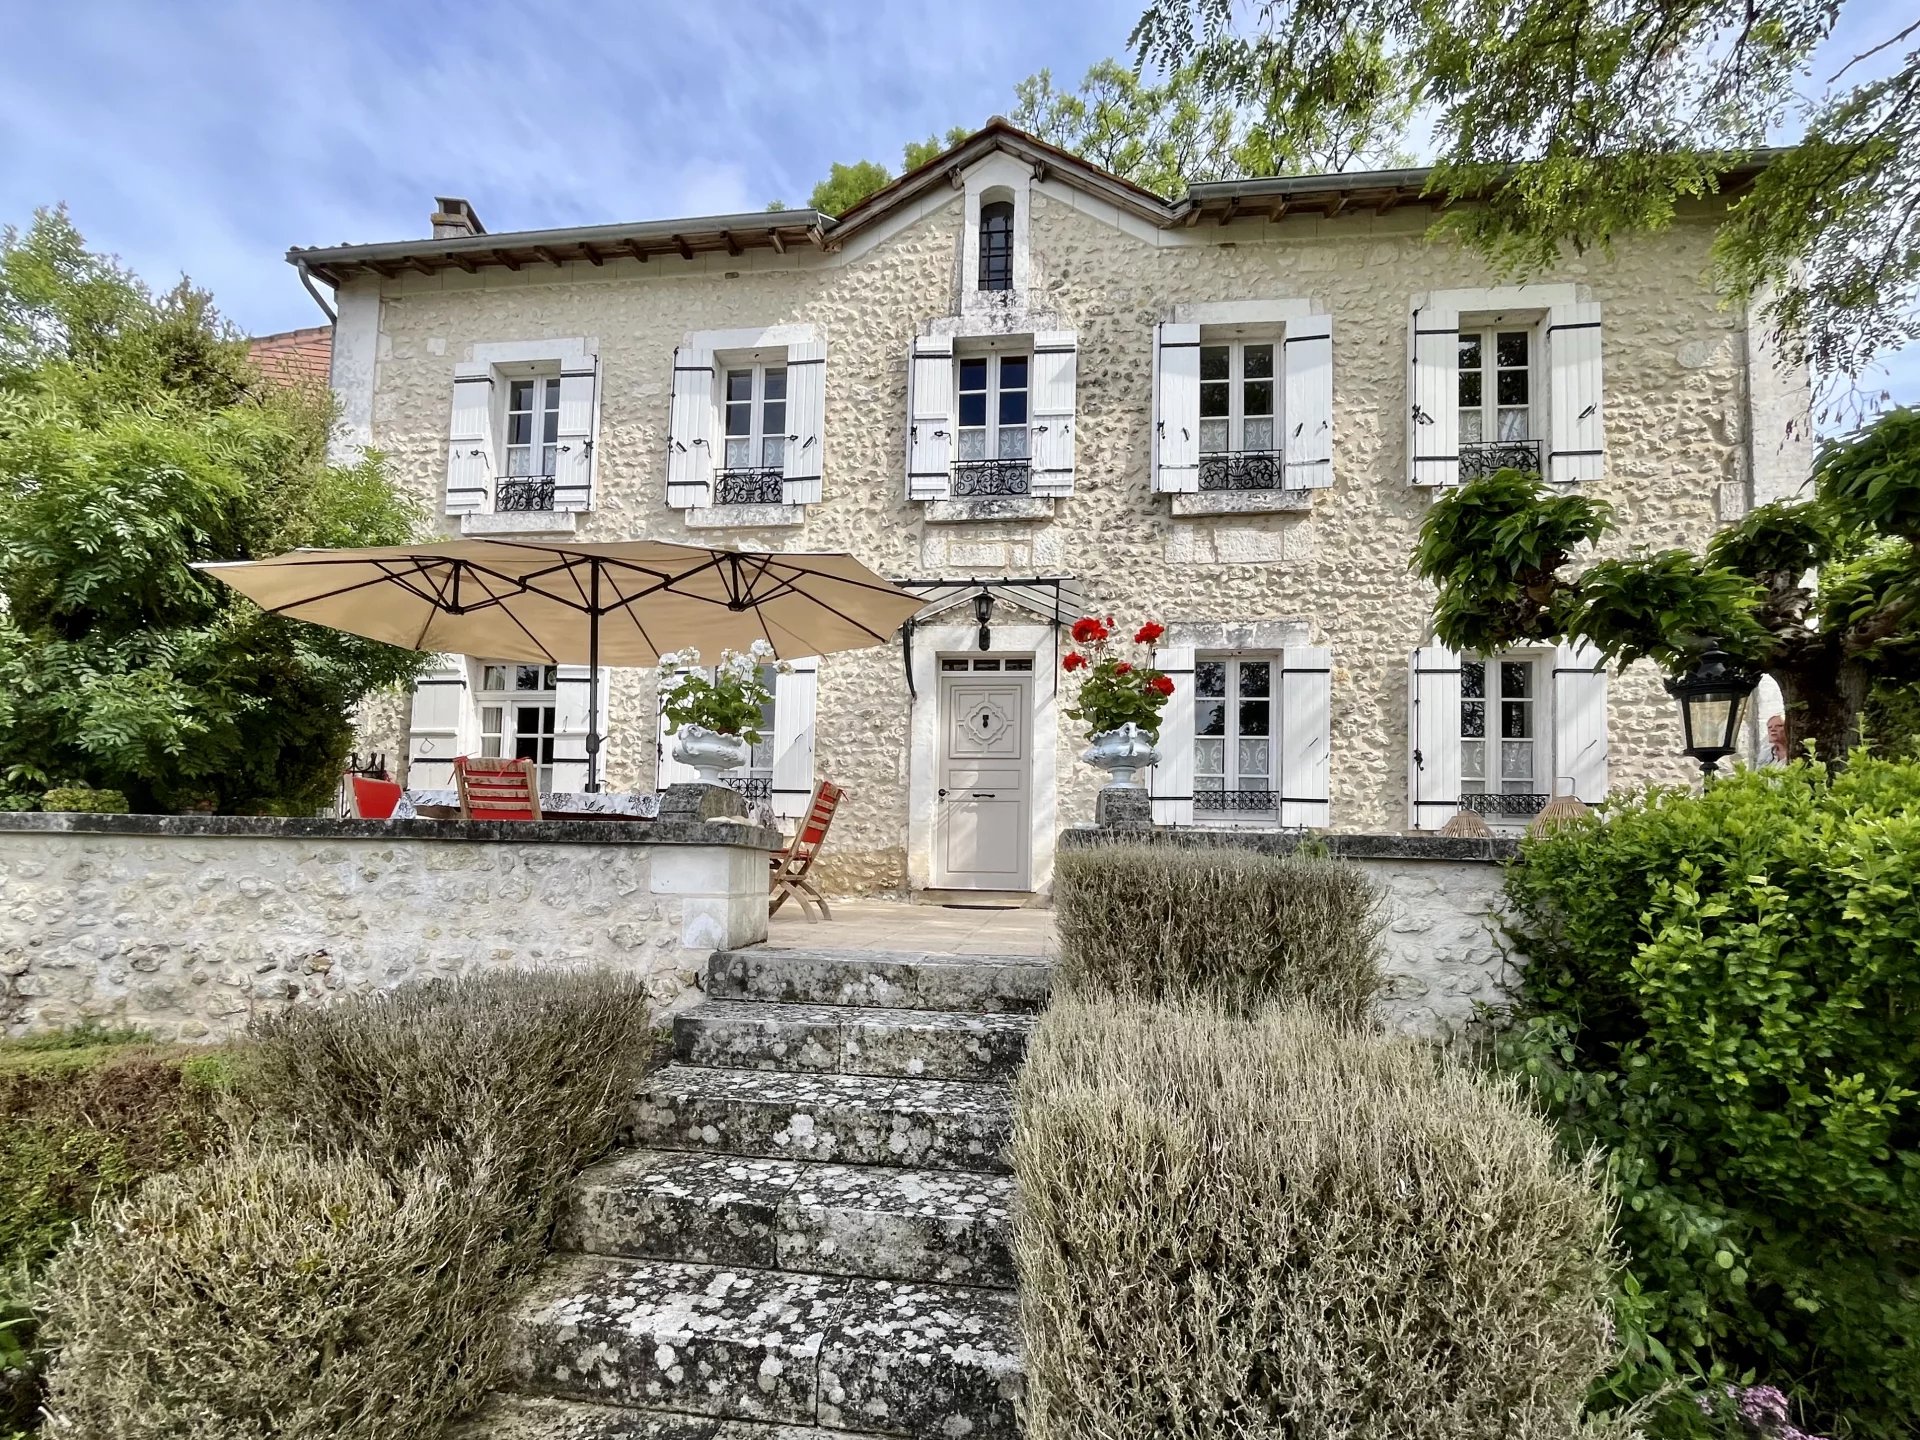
810,1239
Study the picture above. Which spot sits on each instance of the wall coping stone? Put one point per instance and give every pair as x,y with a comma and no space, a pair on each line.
1496,850
271,827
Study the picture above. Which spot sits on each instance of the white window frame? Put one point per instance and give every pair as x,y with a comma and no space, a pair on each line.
1488,336
1236,383
1229,777
544,415
994,427
760,758
1492,779
758,436
509,702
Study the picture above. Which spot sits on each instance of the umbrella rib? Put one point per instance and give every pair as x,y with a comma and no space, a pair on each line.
831,610
385,578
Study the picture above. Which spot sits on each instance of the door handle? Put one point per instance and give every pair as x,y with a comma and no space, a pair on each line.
943,794
978,795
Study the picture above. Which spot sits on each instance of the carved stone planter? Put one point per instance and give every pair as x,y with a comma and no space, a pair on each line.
709,752
1121,753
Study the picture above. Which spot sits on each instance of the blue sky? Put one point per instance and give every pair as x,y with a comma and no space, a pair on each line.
205,138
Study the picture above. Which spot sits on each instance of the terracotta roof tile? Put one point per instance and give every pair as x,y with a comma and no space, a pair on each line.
295,356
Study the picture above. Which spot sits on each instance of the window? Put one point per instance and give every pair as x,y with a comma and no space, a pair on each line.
533,436
996,245
1502,759
1238,403
517,716
1496,402
993,455
757,784
1233,737
756,436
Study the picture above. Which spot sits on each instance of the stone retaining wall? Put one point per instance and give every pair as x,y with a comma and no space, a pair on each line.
185,925
1444,951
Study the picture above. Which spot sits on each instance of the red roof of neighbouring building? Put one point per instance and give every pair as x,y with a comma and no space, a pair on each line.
295,356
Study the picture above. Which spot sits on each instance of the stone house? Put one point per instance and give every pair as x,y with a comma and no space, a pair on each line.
1032,390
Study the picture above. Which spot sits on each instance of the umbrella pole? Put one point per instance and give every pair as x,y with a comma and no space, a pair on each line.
593,677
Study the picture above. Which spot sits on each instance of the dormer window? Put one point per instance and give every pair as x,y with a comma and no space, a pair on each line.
996,245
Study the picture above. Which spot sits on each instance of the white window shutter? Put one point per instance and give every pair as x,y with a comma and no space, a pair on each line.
1306,741
573,471
1580,721
437,730
470,465
690,429
1176,409
1170,783
793,702
1433,728
572,690
1576,448
1055,363
667,770
1308,410
806,422
1433,396
930,418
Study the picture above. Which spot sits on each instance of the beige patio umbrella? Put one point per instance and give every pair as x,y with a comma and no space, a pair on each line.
623,602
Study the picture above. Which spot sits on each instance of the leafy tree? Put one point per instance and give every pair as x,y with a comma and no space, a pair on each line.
1499,549
136,437
1575,123
847,185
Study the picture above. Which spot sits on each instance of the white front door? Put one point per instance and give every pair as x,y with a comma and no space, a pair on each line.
983,827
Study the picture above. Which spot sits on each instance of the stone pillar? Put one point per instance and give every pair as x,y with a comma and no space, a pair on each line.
696,800
1123,807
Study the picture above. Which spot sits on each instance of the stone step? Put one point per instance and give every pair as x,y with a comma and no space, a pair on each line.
883,979
848,1354
851,1040
852,1119
943,1226
512,1417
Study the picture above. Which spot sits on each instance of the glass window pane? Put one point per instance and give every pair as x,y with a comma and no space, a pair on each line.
1216,399
493,677
490,719
1213,436
1513,425
1472,429
773,419
1210,677
1473,759
1254,782
1512,389
1473,679
1469,352
490,747
1257,398
547,458
776,386
739,385
1516,679
739,452
1013,372
520,395
1209,757
1473,718
973,374
973,443
1516,719
773,452
1259,435
1511,347
1210,717
1469,387
526,677
1253,717
1013,407
973,407
1516,760
1257,362
1013,442
739,419
1256,678
550,428
519,428
1214,362
1253,755
551,675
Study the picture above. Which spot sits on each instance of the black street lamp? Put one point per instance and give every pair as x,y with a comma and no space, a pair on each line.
1710,695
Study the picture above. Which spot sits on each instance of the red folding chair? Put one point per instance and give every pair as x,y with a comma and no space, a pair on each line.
372,799
791,864
496,789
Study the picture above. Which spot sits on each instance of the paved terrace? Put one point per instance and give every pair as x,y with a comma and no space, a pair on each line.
927,929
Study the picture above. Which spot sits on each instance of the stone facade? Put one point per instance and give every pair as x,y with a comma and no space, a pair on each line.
1684,421
187,926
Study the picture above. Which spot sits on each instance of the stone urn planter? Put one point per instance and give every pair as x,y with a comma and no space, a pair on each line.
709,752
1121,753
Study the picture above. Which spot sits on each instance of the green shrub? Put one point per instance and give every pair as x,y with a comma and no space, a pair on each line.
1724,992
85,1114
81,800
1236,927
1232,1227
278,1292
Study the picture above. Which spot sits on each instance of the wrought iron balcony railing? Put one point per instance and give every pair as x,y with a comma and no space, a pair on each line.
520,493
1243,470
756,788
992,477
747,487
1497,805
1484,457
1235,802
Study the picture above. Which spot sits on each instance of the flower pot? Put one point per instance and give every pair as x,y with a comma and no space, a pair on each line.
709,752
1120,753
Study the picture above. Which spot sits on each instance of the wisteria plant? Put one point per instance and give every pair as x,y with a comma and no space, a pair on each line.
1117,690
729,701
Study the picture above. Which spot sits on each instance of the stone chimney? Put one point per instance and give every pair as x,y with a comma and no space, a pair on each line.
454,217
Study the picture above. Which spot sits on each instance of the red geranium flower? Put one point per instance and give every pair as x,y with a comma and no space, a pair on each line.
1088,631
1123,668
1162,684
1073,661
1149,632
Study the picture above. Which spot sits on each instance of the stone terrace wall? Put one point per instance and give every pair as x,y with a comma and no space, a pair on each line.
187,926
1444,951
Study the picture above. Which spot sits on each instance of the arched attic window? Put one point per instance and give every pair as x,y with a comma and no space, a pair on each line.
996,245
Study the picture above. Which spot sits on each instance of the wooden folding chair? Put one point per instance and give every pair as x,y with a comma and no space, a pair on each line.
791,864
496,789
370,799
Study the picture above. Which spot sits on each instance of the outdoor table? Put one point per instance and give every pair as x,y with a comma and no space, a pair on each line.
558,805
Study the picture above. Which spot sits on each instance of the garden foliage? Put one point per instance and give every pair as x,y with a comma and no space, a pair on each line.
1279,1226
344,1271
1724,993
1228,925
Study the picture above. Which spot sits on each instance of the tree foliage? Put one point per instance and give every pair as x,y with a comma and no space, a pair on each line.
135,439
847,185
1576,123
1502,550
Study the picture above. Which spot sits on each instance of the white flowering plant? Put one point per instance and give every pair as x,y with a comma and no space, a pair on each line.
727,700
